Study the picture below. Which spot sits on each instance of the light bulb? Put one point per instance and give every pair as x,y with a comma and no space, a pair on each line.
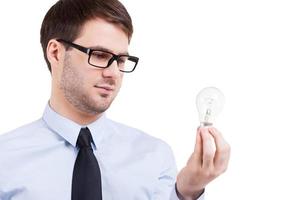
210,102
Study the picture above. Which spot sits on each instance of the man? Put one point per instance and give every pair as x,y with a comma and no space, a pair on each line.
74,151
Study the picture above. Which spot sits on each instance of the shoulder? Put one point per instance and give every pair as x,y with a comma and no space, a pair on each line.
21,134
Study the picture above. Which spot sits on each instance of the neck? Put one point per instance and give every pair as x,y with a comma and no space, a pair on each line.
60,105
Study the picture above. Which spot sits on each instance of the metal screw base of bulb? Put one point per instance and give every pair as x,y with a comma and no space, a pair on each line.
203,124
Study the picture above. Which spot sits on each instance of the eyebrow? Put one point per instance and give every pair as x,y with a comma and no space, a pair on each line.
107,50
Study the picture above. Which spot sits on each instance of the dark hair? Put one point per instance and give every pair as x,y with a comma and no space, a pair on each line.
65,19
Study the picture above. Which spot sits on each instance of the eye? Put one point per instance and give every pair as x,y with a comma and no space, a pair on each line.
122,60
99,55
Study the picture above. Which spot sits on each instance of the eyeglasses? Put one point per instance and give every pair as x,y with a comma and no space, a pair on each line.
103,59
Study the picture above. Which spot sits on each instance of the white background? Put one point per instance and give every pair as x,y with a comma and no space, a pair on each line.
249,49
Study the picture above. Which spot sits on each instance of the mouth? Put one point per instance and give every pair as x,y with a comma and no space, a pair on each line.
104,89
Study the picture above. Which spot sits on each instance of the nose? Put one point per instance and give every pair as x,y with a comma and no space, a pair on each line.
112,70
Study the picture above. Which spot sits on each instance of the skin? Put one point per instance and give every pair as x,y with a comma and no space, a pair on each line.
76,96
74,93
208,161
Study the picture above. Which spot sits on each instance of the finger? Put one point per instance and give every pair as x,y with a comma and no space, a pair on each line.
198,142
208,148
198,148
222,153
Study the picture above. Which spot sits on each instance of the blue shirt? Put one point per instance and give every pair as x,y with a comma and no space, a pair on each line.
37,160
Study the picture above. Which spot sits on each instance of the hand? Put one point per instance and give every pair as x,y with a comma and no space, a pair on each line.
208,161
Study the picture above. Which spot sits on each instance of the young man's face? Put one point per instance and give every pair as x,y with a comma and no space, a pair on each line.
91,89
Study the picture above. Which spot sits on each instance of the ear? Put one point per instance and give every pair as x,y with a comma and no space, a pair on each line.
55,53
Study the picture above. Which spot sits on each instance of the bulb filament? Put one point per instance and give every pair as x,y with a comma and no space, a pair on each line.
208,114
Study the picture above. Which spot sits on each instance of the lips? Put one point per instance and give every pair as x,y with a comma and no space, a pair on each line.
104,89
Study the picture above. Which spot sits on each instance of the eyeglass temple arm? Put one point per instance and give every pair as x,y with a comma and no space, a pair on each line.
83,49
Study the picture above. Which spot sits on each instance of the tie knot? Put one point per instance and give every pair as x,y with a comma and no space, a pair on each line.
84,139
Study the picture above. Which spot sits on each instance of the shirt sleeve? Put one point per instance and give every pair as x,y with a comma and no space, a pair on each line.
174,196
166,185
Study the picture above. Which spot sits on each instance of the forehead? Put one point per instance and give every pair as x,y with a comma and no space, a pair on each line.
99,32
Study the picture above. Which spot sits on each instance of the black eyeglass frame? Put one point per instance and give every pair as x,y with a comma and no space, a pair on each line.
89,51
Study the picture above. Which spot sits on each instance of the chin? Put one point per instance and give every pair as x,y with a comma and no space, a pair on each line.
103,104
102,101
